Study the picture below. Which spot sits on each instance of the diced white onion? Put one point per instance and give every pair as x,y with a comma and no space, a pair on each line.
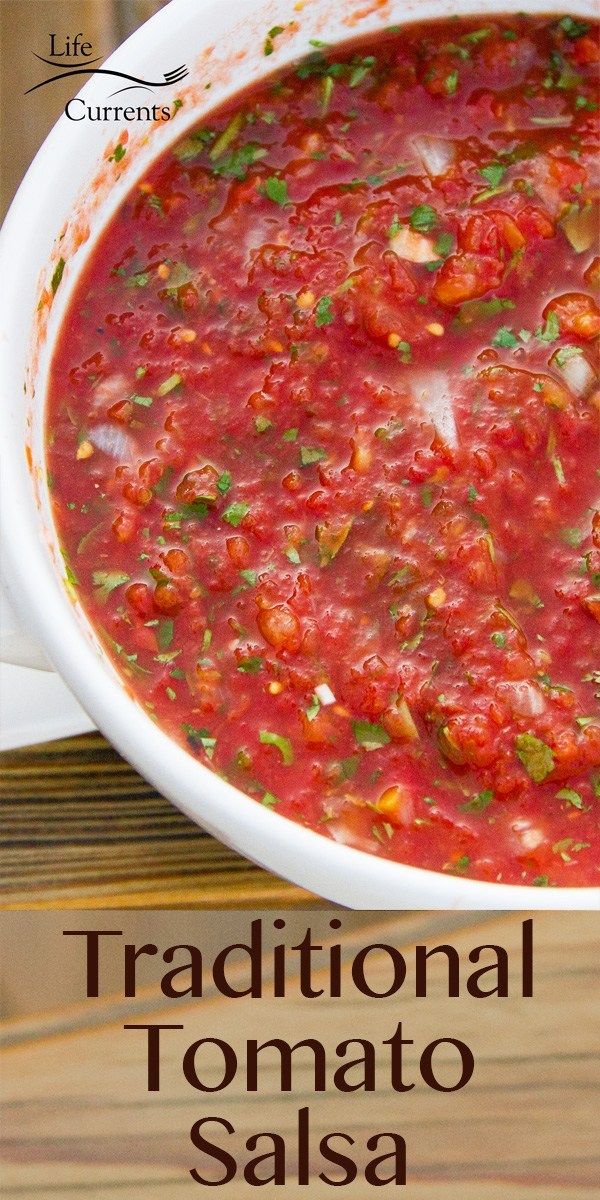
432,390
347,837
110,390
560,121
580,226
524,698
414,247
324,694
112,441
578,373
531,838
436,154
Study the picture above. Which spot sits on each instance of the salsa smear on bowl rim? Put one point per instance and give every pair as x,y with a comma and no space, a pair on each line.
323,445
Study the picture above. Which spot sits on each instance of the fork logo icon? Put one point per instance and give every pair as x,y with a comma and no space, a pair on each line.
75,47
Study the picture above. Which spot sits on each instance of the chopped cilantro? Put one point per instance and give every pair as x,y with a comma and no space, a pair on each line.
186,512
156,203
360,70
444,244
201,737
277,190
493,174
369,736
535,755
105,582
70,575
272,34
477,35
164,633
505,339
349,766
573,798
251,666
588,105
234,515
573,29
224,482
262,423
118,153
461,865
311,454
550,331
324,314
57,275
423,218
479,802
237,164
139,280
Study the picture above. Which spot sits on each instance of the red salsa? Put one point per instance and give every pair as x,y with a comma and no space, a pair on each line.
323,442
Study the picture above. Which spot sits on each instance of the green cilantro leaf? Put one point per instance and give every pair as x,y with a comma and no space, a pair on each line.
311,454
324,314
423,218
493,174
105,582
234,515
369,736
201,737
57,275
505,339
277,190
535,755
237,164
550,331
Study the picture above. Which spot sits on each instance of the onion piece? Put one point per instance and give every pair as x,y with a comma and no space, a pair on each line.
110,390
432,391
324,694
523,697
560,121
437,154
580,227
413,246
112,441
347,837
577,371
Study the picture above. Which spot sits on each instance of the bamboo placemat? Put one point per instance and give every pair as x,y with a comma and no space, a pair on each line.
81,829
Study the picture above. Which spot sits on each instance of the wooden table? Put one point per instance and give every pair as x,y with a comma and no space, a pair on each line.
78,1121
81,829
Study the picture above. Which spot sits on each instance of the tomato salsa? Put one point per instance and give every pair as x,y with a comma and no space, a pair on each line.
323,443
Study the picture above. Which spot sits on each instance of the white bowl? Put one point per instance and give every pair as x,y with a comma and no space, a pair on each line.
72,190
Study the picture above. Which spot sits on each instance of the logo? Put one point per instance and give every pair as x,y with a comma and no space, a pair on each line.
72,56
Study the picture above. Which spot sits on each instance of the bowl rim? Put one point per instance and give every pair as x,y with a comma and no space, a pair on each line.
339,873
